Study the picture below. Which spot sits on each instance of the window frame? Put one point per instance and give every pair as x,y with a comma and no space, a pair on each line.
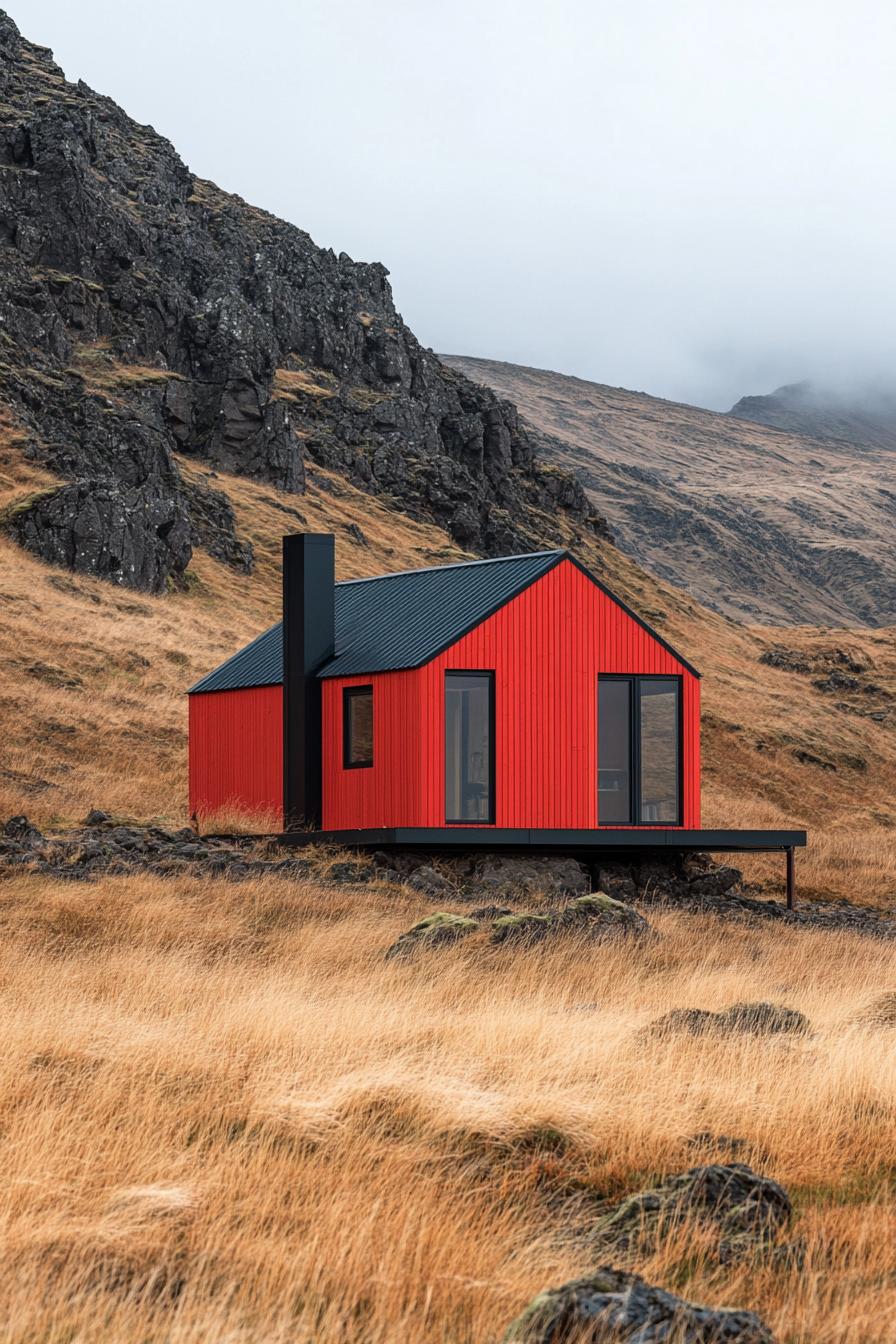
634,746
489,674
349,693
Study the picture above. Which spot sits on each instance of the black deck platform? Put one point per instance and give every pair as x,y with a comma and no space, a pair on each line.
470,839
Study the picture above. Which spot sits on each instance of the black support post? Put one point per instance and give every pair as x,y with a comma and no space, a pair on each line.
790,877
308,642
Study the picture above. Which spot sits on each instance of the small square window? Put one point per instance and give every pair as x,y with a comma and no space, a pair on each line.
357,727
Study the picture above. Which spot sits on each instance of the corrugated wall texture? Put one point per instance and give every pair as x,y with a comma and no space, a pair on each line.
546,648
388,792
236,750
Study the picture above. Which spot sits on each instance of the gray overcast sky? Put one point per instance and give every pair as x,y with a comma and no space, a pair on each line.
696,198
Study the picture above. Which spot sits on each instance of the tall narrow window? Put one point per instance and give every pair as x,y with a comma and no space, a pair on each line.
639,751
659,751
357,727
469,770
614,743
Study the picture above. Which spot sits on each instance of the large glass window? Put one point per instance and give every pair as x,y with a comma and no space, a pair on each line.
469,775
659,731
357,727
614,743
639,751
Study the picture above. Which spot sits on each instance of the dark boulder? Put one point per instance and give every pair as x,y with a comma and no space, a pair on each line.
747,1211
436,930
137,536
746,1019
22,832
595,917
430,882
717,881
611,1306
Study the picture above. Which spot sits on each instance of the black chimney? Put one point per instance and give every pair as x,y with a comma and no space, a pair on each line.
309,640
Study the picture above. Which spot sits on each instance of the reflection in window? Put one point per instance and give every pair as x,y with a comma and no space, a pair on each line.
639,751
659,751
357,720
468,746
614,741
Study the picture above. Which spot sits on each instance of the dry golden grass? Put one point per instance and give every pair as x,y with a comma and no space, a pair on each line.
19,477
226,1117
116,737
288,383
103,373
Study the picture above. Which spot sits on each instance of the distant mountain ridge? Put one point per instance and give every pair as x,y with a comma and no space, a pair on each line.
865,417
764,524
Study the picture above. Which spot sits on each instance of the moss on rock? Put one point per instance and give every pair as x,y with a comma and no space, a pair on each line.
435,930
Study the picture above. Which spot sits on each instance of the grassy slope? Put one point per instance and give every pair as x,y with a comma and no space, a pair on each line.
115,736
225,1116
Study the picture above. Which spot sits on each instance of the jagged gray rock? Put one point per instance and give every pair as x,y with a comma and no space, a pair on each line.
214,525
138,536
611,1306
145,312
509,875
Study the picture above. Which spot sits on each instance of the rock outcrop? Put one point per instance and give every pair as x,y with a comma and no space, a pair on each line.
104,846
144,313
611,1306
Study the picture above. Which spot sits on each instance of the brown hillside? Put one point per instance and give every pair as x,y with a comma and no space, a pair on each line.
92,682
764,524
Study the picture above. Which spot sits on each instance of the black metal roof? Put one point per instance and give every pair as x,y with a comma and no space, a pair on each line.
401,620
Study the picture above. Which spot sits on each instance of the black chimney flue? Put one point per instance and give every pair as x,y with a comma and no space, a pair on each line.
309,640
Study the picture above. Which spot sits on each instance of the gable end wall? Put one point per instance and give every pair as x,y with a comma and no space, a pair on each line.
547,647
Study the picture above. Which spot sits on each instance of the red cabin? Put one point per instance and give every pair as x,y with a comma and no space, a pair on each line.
508,693
491,702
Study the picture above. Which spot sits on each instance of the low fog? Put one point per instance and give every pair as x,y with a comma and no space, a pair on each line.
694,200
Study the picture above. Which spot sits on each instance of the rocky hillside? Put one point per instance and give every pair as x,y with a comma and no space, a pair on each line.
144,313
866,418
763,524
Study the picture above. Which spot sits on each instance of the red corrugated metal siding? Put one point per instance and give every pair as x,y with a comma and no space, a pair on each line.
236,750
388,792
546,648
